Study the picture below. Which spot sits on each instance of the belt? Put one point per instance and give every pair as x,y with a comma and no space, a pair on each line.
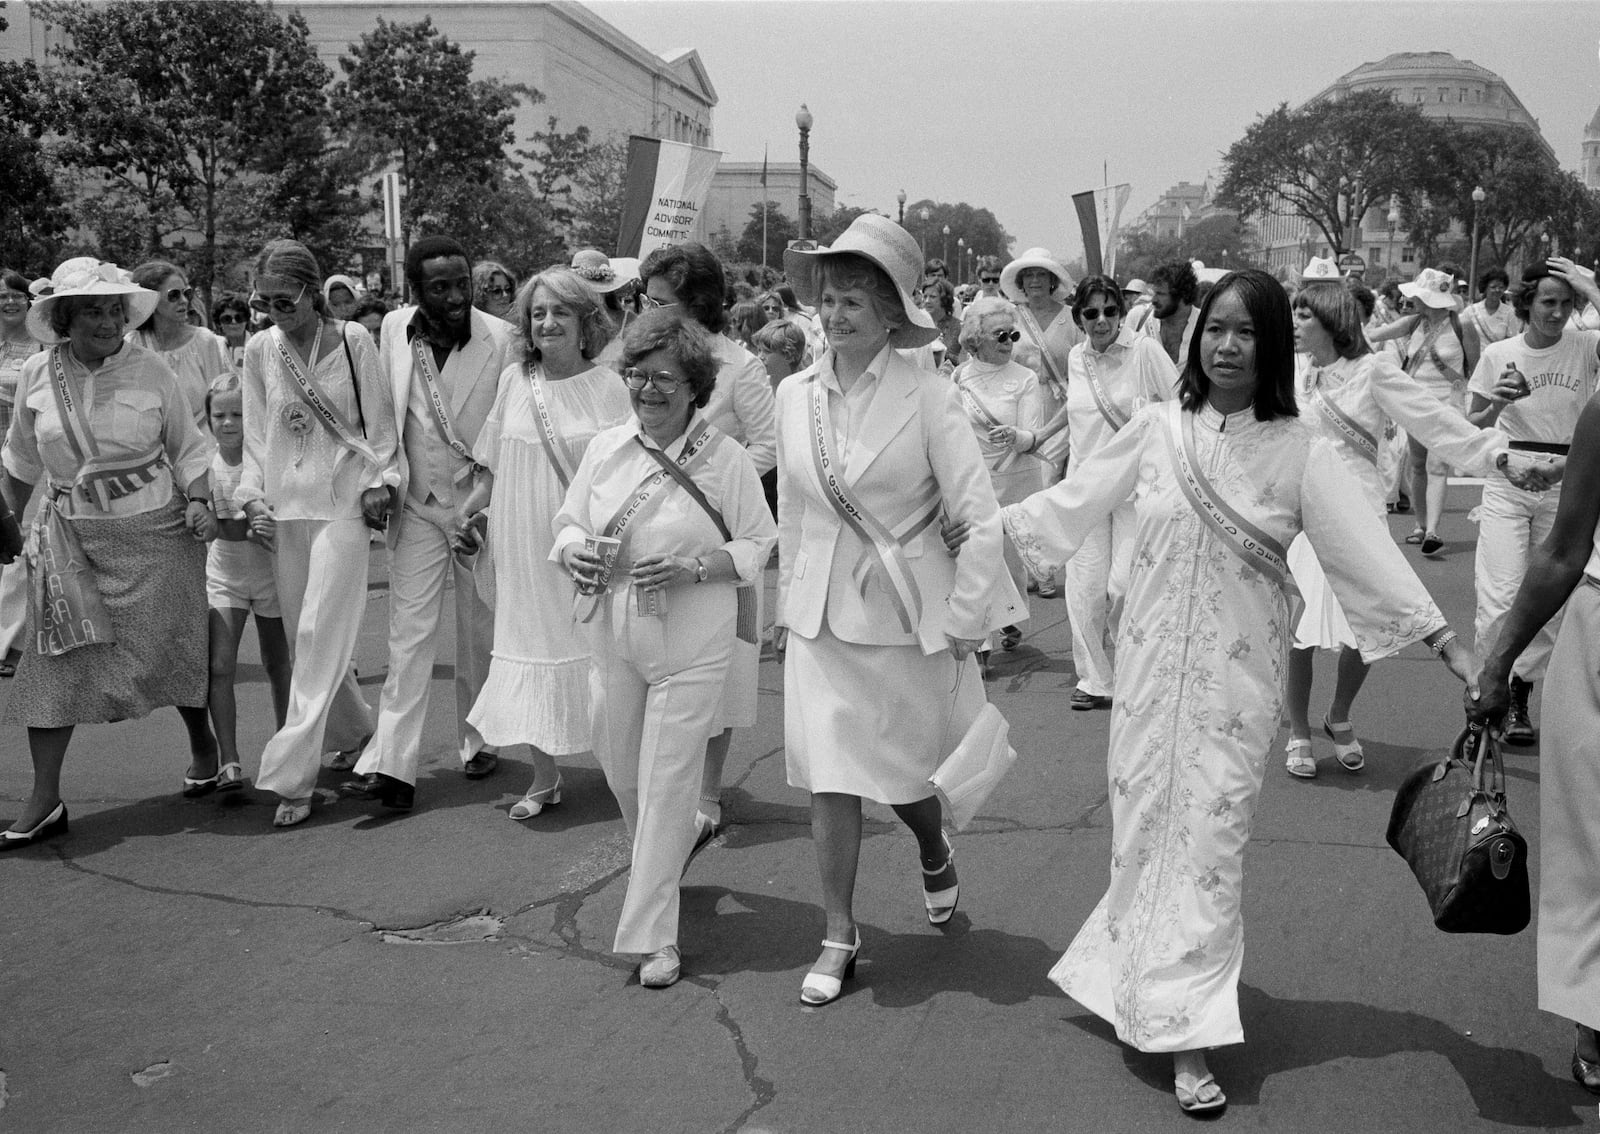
1541,447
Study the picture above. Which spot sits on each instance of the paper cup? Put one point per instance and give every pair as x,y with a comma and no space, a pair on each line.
607,549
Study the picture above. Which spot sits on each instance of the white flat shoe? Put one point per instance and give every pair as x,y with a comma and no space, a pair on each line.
824,988
536,801
661,969
292,812
1299,763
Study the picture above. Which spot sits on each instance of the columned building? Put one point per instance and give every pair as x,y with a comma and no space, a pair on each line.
736,190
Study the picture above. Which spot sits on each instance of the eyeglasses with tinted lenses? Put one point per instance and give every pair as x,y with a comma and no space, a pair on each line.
230,317
1010,336
174,294
988,279
499,292
664,381
651,301
1090,314
278,304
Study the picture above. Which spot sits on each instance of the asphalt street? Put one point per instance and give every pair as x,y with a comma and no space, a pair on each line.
181,965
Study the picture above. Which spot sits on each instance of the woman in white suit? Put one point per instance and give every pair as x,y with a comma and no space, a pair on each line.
870,450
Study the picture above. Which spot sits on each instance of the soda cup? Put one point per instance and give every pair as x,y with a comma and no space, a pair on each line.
607,549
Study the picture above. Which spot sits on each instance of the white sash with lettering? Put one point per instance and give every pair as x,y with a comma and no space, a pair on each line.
102,479
1252,545
325,412
422,359
1050,442
554,450
882,552
982,415
1351,431
1115,418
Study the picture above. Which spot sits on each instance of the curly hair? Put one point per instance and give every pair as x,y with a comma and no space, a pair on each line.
595,327
1180,279
684,339
979,310
849,272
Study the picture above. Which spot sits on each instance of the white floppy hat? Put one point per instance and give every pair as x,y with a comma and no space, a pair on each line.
84,275
1032,258
1321,269
891,248
1431,288
604,274
1138,287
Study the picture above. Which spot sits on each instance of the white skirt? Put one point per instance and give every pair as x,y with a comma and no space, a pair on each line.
1321,624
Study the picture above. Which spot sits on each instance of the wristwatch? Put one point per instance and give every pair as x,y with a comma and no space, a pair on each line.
701,570
206,500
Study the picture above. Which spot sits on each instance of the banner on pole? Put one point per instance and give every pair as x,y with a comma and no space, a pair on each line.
1100,219
665,195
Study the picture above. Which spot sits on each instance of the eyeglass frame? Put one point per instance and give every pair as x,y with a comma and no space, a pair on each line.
1090,314
277,303
651,303
654,381
173,294
1011,336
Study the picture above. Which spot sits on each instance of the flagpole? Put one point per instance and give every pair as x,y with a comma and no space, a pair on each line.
765,212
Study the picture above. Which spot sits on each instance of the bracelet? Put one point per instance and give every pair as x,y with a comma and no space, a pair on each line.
1438,644
206,500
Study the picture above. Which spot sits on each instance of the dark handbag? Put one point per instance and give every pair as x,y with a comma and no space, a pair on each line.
1451,825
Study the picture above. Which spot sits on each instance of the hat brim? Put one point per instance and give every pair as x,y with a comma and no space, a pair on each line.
804,269
1008,276
139,304
1427,296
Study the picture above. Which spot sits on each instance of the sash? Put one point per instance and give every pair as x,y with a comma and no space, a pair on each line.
1430,348
1030,324
983,415
882,550
103,479
553,449
1244,539
1348,428
620,526
1115,418
745,620
317,402
422,359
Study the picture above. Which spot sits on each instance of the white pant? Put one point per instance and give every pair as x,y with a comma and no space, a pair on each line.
1095,583
1511,523
14,587
655,684
418,567
321,567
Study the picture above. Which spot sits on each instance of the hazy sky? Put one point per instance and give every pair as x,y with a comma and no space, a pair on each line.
1015,106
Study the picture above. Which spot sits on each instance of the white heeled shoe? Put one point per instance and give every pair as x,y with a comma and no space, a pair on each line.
941,904
534,802
1351,757
821,988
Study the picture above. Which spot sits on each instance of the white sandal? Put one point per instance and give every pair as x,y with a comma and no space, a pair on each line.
1301,767
534,802
1351,757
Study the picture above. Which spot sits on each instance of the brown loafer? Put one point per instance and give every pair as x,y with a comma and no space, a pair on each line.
1083,702
481,765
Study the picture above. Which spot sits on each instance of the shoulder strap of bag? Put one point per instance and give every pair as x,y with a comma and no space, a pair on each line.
355,381
686,482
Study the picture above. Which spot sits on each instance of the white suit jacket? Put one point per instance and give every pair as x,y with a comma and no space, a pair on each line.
913,435
474,373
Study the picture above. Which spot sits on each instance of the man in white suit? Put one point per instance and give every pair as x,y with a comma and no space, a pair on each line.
444,358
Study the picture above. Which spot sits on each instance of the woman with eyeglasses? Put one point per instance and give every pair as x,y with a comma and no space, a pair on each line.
682,505
230,314
551,405
320,462
1110,377
1001,399
495,288
195,355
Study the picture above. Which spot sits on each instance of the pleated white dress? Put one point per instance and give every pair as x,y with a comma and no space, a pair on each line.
537,691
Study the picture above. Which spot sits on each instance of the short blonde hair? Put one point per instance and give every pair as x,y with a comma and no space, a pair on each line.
972,319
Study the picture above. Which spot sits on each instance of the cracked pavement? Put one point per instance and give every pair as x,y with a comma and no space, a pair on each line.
180,965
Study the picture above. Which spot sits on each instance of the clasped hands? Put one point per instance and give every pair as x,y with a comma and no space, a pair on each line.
1538,477
652,572
1017,440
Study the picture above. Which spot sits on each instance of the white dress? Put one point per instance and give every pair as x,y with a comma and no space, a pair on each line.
1008,393
1371,391
1199,688
537,690
204,357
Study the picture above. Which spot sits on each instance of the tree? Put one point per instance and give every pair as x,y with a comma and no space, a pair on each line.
33,218
409,101
780,230
1331,161
976,228
827,229
171,102
599,187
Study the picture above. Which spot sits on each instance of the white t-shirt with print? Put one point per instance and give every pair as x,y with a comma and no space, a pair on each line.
1561,380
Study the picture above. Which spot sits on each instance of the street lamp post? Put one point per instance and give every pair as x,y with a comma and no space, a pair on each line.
922,244
1394,222
803,119
961,251
901,198
1478,196
972,272
945,251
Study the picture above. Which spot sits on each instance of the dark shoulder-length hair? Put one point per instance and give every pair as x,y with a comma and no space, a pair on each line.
1268,307
695,275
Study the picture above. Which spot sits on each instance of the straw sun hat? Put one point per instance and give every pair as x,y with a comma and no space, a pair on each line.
84,275
885,244
604,274
1032,258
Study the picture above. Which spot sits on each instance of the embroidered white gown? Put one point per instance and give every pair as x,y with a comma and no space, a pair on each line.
1199,687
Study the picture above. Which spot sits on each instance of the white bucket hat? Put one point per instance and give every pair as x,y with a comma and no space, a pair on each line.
885,244
84,275
1321,269
1138,287
1032,258
603,273
1431,288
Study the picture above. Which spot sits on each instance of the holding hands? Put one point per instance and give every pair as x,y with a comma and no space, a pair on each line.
1017,440
200,519
376,504
471,528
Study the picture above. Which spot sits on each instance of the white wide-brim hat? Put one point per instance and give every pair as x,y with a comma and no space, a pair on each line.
1032,258
603,273
349,283
1138,287
1431,288
892,249
84,275
1321,269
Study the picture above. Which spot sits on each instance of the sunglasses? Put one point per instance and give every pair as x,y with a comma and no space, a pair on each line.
988,279
499,292
1010,336
651,302
1090,314
174,294
664,381
230,318
278,304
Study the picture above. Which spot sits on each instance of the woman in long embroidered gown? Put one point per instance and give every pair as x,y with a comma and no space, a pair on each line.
1351,393
537,691
1200,677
